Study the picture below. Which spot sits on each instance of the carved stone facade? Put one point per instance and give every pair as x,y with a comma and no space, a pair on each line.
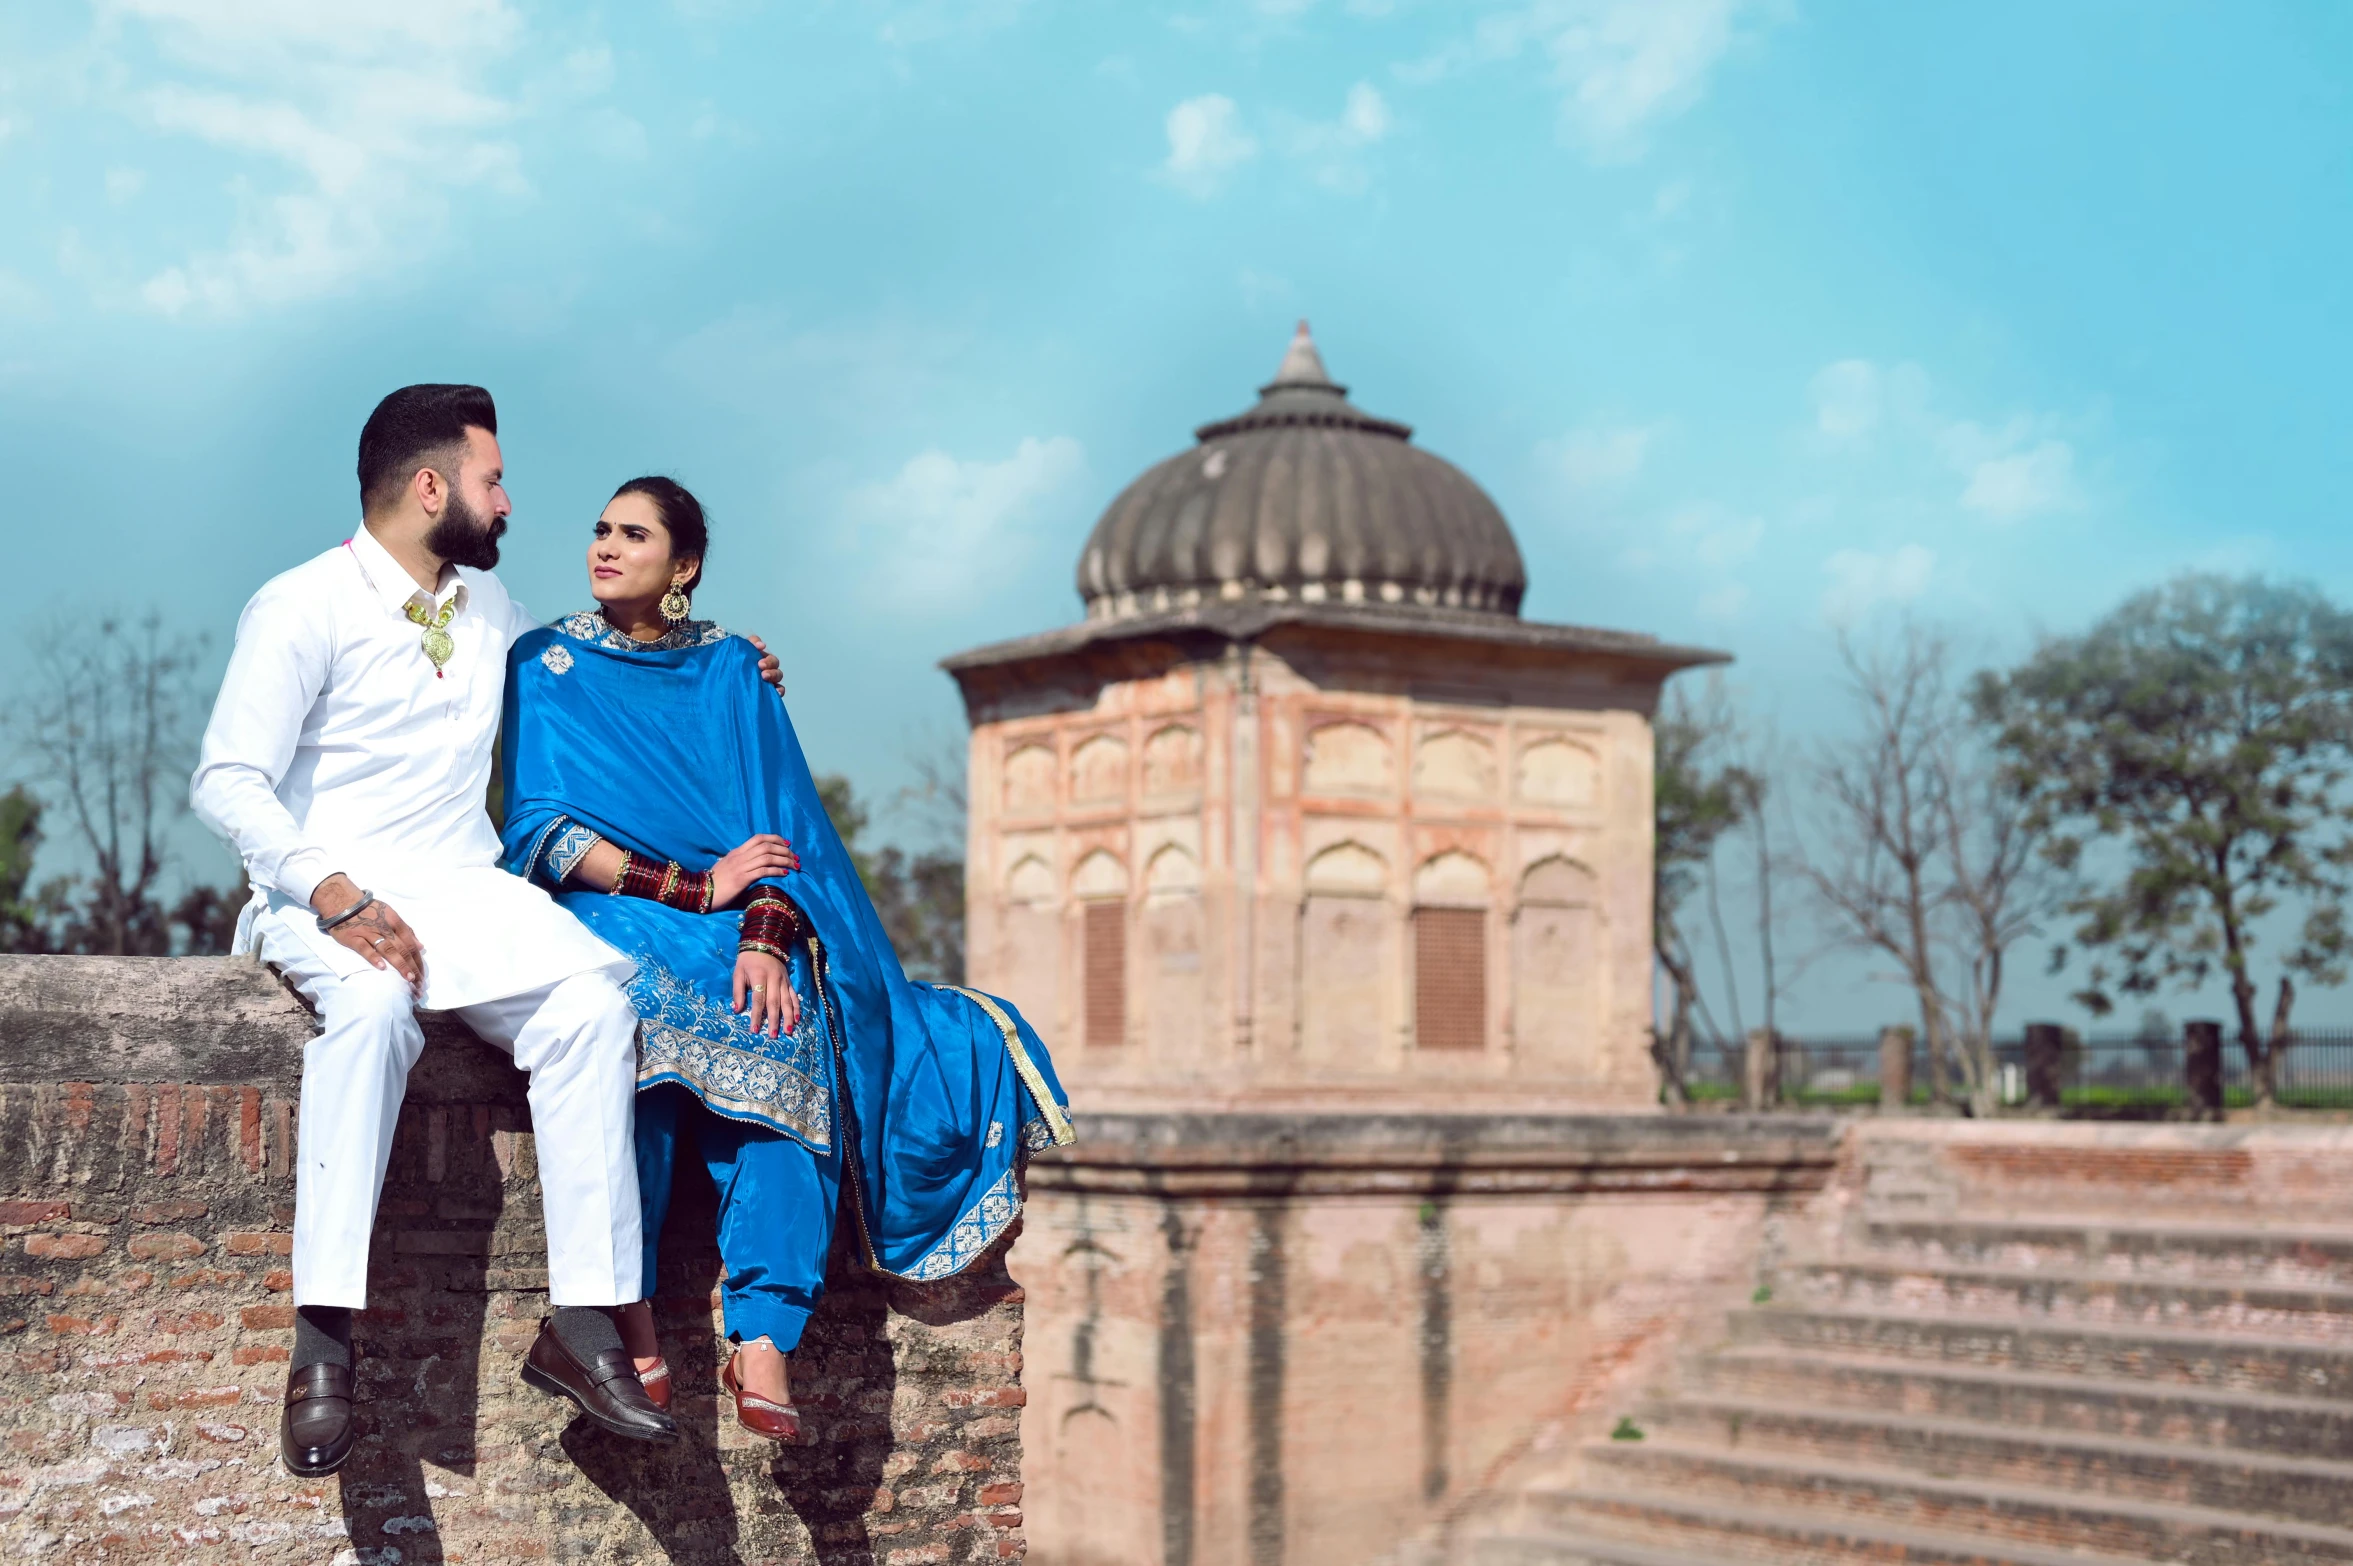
1303,815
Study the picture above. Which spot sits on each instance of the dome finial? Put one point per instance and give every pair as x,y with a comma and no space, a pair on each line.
1302,365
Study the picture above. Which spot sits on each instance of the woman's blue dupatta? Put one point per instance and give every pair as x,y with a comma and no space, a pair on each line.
676,750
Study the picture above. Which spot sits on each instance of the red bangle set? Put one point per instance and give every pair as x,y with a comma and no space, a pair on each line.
771,924
664,883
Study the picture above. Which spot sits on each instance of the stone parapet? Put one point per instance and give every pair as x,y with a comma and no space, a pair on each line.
1300,1340
147,1133
1433,1154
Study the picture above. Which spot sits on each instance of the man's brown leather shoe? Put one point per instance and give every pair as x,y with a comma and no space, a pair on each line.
607,1389
316,1428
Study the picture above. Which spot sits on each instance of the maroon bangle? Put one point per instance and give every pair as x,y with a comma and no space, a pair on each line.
665,883
770,923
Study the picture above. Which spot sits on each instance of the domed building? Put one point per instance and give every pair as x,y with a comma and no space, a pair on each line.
1303,814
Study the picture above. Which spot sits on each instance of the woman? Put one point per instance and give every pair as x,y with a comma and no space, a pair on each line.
658,790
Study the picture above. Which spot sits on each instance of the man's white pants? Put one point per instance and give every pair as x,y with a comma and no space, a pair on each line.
577,1039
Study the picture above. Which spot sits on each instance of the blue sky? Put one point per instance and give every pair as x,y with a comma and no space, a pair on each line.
1757,318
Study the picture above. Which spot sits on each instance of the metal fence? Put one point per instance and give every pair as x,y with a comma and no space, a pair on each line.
2096,1071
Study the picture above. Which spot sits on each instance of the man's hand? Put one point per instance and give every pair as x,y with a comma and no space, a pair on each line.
764,989
377,933
770,669
760,858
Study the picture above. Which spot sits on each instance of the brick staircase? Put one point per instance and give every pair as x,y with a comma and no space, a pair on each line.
1973,1391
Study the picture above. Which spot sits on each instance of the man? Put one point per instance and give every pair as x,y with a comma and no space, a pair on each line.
347,761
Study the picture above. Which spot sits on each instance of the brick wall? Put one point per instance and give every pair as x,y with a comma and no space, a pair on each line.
146,1127
1311,1340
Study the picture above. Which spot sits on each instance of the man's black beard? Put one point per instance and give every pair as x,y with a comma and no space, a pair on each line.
461,536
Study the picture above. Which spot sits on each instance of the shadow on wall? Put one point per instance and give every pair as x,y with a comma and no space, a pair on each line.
447,1296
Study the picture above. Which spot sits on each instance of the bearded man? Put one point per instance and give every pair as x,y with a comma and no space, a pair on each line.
347,761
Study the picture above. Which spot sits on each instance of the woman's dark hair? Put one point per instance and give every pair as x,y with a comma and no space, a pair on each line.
417,427
681,513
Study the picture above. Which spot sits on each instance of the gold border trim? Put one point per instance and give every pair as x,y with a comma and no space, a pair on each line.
1034,1079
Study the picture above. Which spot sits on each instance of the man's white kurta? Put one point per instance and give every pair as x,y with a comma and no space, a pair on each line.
333,746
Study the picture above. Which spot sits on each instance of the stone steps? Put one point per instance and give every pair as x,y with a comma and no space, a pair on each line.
1570,1549
1704,1531
2291,1489
2045,1518
2142,1354
2316,1311
1989,1391
2299,1255
2022,1400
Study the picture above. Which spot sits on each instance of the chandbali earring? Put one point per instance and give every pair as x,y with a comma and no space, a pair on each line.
674,604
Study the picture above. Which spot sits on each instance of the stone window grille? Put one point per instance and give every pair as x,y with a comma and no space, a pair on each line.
1450,978
1105,970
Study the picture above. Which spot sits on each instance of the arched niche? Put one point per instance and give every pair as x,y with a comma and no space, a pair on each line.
1557,881
1030,883
1172,760
1452,880
1029,780
1349,758
1098,769
1172,872
1099,875
1559,772
1347,870
1559,983
1454,765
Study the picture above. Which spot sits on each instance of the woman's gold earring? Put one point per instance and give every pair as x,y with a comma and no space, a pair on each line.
674,604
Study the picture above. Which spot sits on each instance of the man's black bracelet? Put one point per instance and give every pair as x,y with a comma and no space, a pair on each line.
353,912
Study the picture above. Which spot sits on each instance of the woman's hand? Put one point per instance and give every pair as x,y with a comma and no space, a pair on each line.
763,990
758,859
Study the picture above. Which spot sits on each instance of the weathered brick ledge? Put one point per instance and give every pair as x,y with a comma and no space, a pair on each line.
1469,1154
147,1125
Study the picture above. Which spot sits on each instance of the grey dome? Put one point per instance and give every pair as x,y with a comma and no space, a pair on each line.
1304,498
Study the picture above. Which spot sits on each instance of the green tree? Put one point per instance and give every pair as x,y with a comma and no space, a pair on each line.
23,914
1698,795
920,897
2204,730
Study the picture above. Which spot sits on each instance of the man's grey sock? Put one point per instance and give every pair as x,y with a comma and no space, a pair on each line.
586,1330
322,1336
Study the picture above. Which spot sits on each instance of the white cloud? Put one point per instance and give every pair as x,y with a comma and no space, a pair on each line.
1861,581
343,128
1264,288
2019,469
123,184
945,525
907,23
1723,603
1706,535
1846,399
1598,456
1622,66
2013,473
1205,142
1331,150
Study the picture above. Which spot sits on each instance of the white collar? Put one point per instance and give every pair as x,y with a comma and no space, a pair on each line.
386,577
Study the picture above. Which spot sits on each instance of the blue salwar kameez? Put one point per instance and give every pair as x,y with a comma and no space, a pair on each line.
921,1099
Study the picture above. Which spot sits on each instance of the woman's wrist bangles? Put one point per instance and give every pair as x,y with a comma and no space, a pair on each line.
664,882
770,924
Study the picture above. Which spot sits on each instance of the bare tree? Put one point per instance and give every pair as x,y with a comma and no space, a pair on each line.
1925,856
111,731
1699,794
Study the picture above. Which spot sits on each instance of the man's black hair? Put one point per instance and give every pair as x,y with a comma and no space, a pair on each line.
413,427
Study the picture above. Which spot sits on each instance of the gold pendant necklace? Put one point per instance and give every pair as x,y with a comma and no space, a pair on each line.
436,640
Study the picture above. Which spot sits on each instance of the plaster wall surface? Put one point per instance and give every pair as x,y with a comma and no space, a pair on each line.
1311,1339
1243,843
147,1137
